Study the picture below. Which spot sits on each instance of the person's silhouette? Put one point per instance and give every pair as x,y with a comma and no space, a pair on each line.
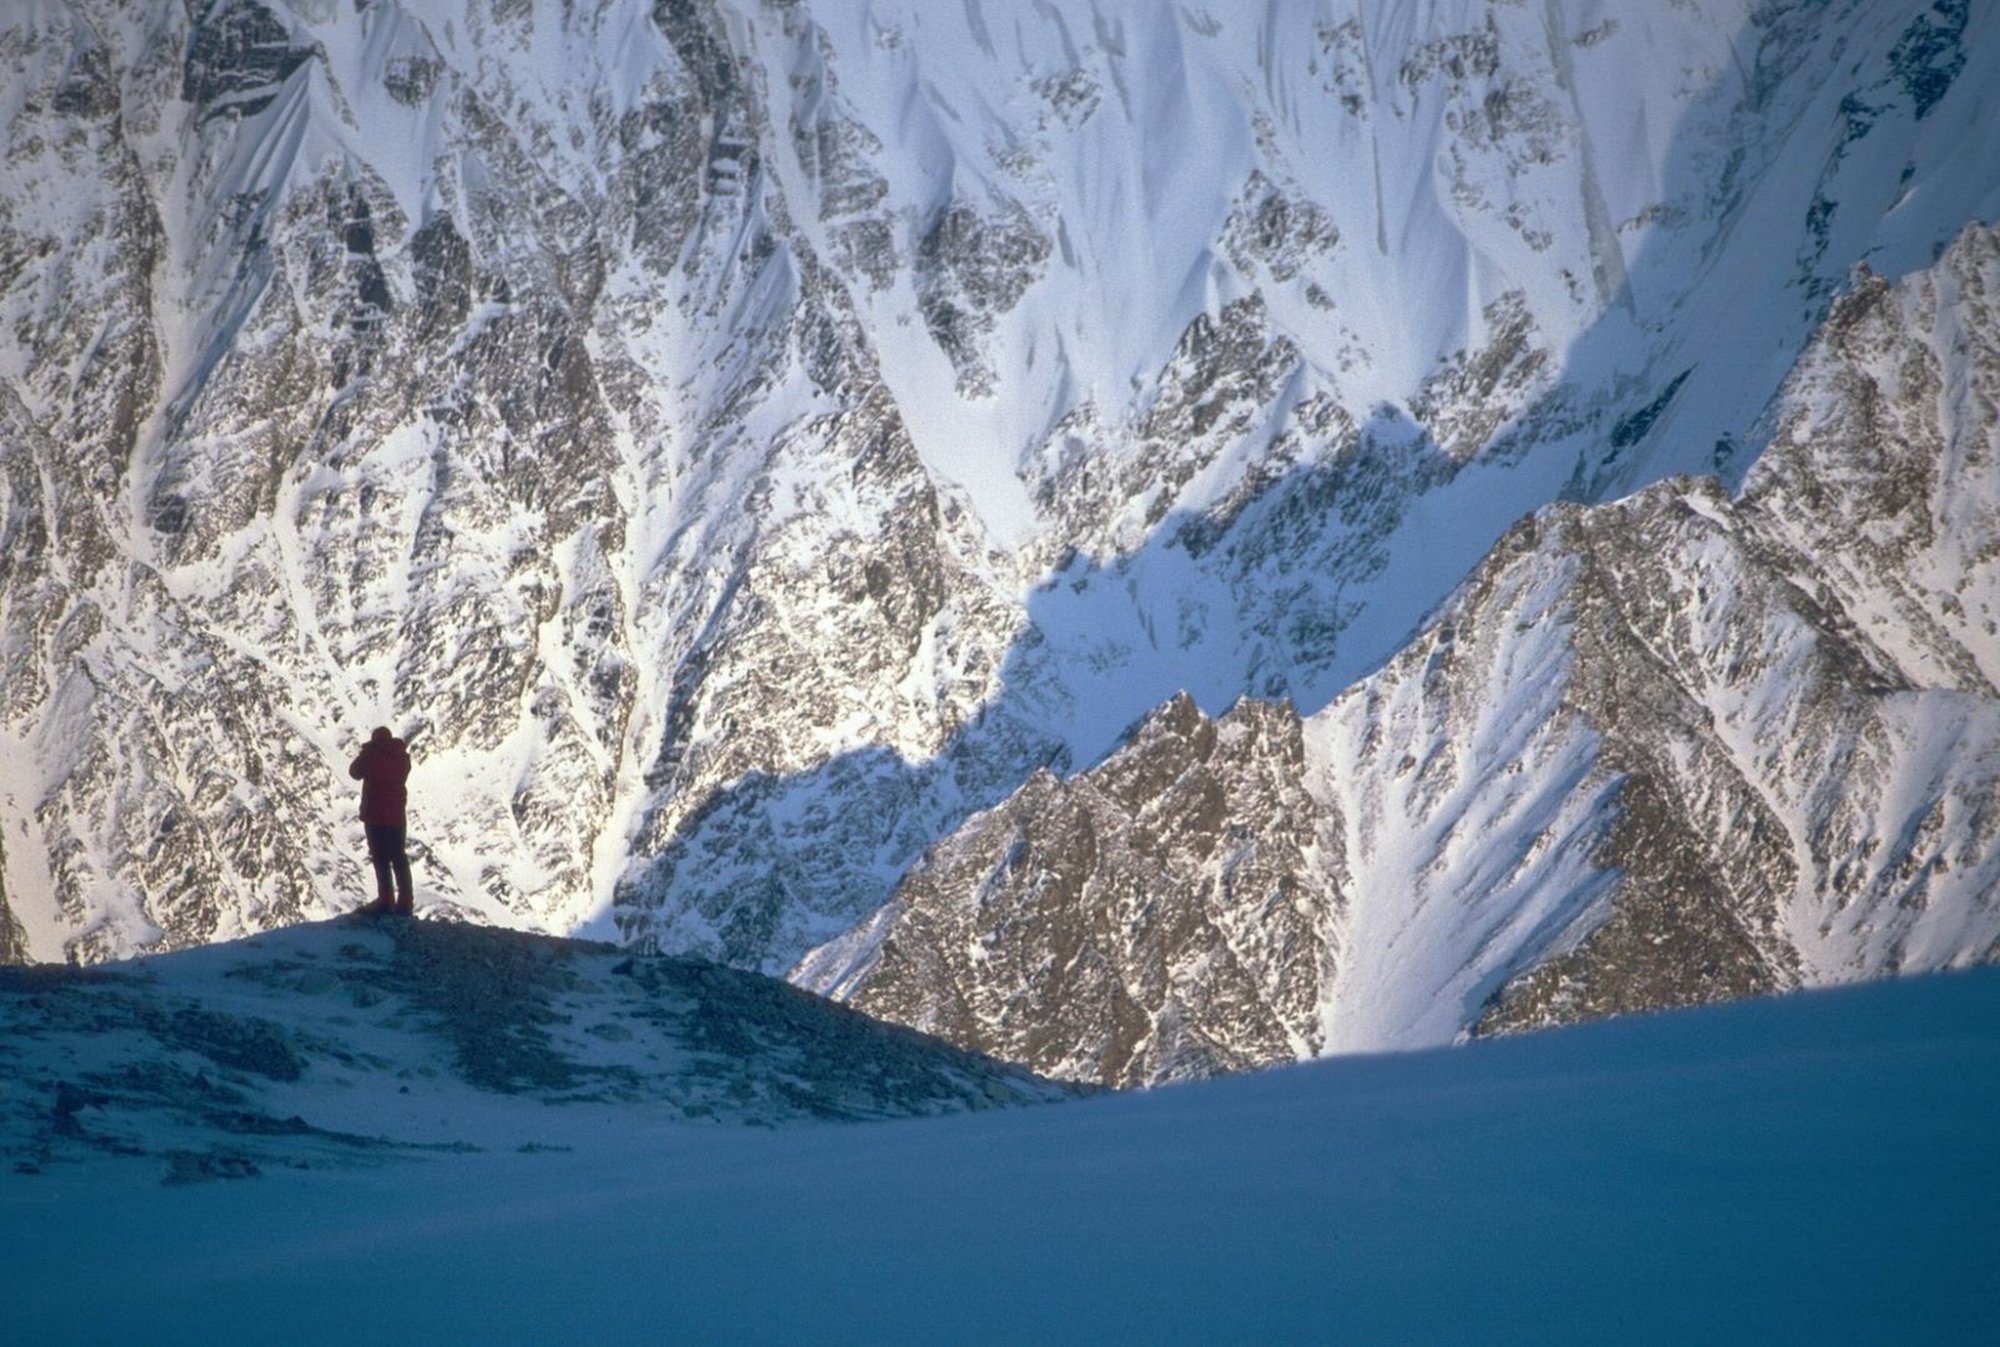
382,767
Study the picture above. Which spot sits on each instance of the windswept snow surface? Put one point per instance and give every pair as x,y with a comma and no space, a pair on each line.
1818,1168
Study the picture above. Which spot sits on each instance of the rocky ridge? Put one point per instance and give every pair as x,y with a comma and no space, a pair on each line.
370,1042
1683,747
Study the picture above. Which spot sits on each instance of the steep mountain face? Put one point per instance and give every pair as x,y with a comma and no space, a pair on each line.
448,380
1677,748
1159,916
741,442
358,1043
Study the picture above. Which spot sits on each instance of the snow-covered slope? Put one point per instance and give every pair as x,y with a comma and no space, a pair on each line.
743,440
1816,1168
1676,748
362,1043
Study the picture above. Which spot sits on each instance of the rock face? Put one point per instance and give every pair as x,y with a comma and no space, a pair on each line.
1683,747
739,443
1161,916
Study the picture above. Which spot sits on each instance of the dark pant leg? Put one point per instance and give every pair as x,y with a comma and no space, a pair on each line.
387,850
400,862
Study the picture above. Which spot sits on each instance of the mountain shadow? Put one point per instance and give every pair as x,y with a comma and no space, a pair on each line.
1309,582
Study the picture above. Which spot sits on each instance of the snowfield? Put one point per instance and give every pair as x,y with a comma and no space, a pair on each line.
1814,1168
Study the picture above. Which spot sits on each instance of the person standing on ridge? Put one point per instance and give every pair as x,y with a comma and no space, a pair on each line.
382,767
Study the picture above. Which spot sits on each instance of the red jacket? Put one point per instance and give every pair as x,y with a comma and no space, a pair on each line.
382,766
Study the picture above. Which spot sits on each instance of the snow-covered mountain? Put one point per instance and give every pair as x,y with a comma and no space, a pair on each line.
744,442
1677,748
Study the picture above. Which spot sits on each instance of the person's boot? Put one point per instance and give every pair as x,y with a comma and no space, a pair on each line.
406,906
382,906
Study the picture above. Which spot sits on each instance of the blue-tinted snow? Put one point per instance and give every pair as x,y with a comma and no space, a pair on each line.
1820,1168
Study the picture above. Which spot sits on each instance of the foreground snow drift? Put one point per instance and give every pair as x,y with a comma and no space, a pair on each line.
1814,1168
